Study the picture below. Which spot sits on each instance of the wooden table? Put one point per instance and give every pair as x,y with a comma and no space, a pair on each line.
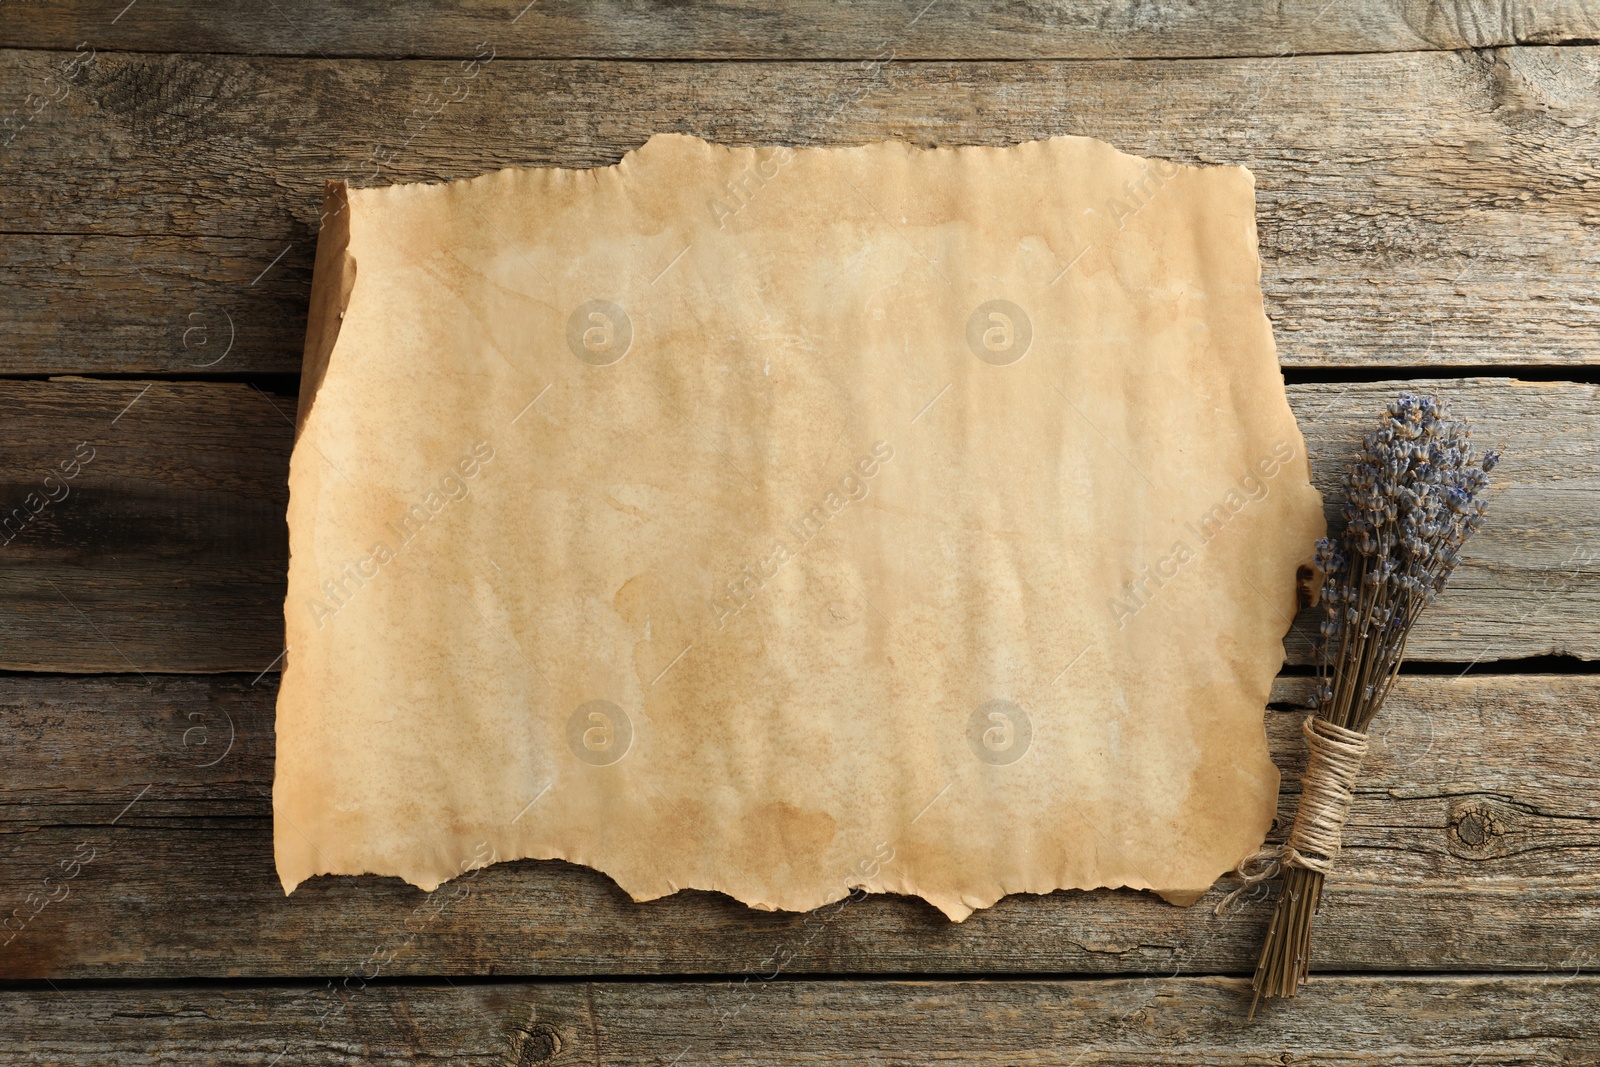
1428,178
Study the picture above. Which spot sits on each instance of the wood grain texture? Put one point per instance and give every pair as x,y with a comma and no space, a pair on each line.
1402,1022
170,551
1414,209
179,305
768,30
1472,846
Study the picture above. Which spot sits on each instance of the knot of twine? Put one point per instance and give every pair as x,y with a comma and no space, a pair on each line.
1325,795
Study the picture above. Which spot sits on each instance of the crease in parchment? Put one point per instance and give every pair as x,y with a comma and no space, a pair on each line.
784,522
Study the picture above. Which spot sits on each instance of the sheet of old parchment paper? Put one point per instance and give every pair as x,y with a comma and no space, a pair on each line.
781,521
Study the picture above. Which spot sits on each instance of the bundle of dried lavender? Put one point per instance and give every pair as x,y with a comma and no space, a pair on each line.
1411,500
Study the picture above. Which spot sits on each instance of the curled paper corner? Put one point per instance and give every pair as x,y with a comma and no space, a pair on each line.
776,521
333,280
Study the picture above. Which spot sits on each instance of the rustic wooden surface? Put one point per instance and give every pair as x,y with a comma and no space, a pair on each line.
1415,209
1478,813
1428,183
170,552
811,29
1396,1022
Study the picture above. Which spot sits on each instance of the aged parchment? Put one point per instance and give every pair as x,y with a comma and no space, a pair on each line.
785,521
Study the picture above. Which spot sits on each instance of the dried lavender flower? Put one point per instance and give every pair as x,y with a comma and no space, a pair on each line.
1412,498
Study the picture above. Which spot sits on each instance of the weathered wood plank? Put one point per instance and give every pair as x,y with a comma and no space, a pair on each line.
1419,208
1474,845
173,535
624,29
167,547
1393,1022
192,305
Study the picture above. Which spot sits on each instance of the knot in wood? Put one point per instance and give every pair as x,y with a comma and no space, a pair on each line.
534,1045
1477,828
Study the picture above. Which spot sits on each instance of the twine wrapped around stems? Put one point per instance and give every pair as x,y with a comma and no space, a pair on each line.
1411,499
1325,795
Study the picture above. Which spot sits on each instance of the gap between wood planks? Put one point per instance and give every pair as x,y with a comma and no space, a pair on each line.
287,384
844,60
536,981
